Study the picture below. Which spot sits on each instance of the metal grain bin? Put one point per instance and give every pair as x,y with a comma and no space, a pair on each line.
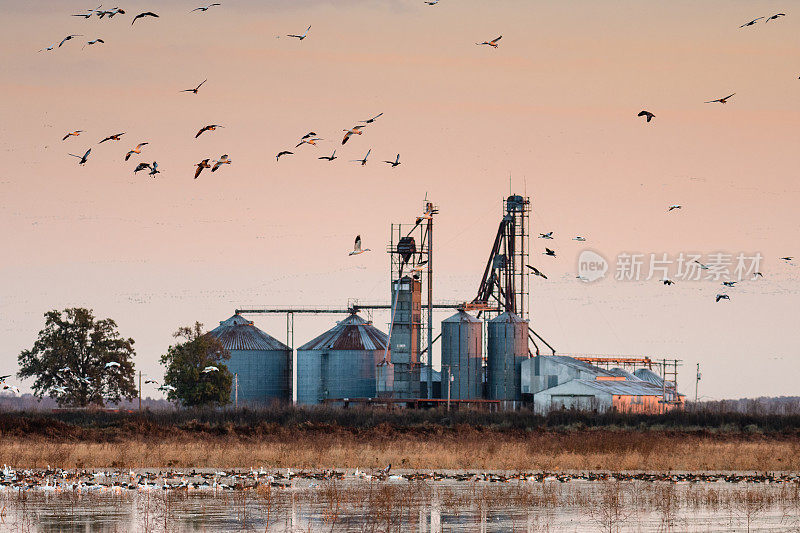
341,363
507,348
462,343
263,363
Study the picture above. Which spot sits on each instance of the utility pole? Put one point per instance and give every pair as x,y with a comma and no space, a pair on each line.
140,390
449,386
696,383
430,305
236,390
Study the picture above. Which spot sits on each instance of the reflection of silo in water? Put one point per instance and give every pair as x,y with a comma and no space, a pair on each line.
508,347
461,354
340,363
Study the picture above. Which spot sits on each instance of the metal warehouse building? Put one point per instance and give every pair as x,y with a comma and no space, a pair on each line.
602,394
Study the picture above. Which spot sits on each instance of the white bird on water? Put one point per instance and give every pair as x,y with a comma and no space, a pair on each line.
357,247
210,368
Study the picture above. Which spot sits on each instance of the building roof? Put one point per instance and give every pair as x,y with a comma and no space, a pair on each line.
623,388
648,375
462,316
352,333
506,317
577,364
238,333
620,372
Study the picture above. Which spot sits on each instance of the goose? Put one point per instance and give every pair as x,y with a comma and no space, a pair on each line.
751,22
729,283
431,2
492,43
112,364
149,381
309,140
757,274
142,15
394,163
223,160
71,134
386,470
141,166
154,169
283,153
3,378
357,247
12,388
548,235
723,100
673,207
355,130
362,161
647,114
722,297
110,12
536,271
205,8
68,37
194,91
210,368
93,41
307,135
329,157
702,266
667,281
775,16
210,127
579,238
49,48
200,166
89,13
301,37
548,251
787,258
115,137
83,158
167,388
137,150
371,120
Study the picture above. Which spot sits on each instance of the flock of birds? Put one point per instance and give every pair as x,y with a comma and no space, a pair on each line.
80,480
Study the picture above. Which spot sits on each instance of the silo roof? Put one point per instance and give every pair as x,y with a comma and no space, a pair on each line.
461,316
507,317
352,333
238,333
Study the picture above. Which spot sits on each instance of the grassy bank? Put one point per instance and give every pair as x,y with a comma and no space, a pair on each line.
334,438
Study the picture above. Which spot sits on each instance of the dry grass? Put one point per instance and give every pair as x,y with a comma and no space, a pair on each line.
579,450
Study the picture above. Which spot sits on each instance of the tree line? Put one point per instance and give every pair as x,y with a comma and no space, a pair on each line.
82,361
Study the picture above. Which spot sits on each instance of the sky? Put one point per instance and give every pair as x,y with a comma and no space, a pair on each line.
551,114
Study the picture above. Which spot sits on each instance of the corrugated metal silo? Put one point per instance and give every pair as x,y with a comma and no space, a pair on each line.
462,343
507,348
263,363
341,363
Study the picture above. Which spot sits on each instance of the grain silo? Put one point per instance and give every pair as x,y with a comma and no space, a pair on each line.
507,348
341,363
263,364
462,347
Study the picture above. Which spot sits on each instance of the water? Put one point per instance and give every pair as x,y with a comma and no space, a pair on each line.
121,503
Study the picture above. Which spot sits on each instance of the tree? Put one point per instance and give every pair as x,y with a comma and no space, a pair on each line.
185,363
80,361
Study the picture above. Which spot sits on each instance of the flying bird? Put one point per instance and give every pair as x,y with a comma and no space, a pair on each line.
283,153
210,368
702,266
787,258
729,283
112,364
394,163
148,381
355,130
308,140
167,388
357,247
142,15
137,150
371,120
667,281
672,207
210,127
88,14
301,37
83,157
647,114
114,137
307,135
536,271
548,235
67,38
141,166
362,161
223,160
110,12
492,43
94,41
757,274
195,89
13,388
206,8
154,169
71,134
579,238
548,251
65,370
49,48
775,16
329,157
722,297
200,166
431,2
751,22
721,100
3,378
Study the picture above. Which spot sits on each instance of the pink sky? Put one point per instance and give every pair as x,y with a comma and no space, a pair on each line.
555,105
